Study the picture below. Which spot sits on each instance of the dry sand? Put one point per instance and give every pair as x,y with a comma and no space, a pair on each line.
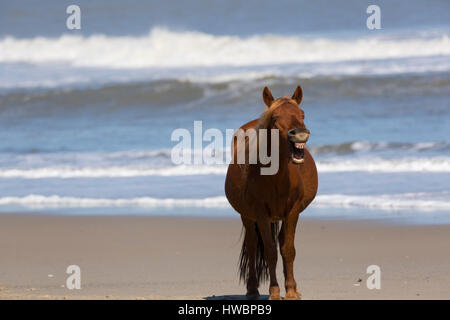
177,258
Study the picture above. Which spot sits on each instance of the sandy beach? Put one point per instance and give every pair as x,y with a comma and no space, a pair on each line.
196,258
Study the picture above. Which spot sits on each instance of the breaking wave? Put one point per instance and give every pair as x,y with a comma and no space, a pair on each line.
72,60
165,48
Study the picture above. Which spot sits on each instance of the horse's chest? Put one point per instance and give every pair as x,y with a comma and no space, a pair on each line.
275,198
281,204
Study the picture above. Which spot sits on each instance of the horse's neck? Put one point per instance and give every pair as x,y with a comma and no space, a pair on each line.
252,173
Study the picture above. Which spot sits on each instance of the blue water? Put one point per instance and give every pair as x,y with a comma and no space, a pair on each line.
86,116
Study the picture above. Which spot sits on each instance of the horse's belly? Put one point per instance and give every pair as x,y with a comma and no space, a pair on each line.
234,185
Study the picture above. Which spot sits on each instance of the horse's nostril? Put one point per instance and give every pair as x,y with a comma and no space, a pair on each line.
293,132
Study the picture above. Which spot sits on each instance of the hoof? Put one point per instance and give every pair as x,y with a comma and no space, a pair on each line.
274,293
292,296
299,295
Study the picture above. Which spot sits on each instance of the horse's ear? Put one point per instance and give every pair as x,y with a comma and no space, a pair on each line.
298,95
267,96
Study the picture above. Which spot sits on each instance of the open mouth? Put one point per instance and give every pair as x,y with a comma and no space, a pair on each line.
298,151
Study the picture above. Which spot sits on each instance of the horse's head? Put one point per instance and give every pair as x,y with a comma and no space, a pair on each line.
285,115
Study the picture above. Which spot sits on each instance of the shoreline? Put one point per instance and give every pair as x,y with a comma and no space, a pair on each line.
359,215
135,257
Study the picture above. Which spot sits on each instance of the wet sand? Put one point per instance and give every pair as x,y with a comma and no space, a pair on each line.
196,258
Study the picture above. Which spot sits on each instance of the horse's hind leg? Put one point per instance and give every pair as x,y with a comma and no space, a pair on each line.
286,239
270,255
250,242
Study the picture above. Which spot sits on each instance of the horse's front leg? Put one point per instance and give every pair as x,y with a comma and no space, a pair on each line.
270,255
287,248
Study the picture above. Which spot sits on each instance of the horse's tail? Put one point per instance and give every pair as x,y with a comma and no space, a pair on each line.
262,270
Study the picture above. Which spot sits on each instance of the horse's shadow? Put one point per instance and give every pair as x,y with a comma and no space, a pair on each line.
235,297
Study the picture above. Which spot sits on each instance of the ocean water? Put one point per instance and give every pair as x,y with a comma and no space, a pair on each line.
86,116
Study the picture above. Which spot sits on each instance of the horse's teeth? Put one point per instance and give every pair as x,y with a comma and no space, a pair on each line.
299,145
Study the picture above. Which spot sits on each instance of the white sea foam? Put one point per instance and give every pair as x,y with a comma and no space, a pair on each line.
110,172
54,75
437,164
412,201
165,48
407,201
40,201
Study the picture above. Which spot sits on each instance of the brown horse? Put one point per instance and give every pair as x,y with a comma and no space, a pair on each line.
264,200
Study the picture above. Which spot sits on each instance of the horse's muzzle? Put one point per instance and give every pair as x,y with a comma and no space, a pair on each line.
297,141
300,135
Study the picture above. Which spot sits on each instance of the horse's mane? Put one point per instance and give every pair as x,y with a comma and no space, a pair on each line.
264,120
